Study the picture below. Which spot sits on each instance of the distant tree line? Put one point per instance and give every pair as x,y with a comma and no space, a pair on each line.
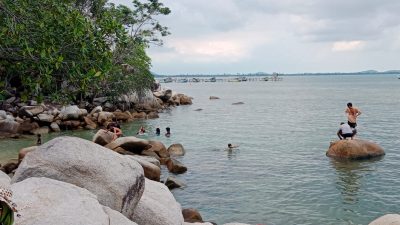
72,50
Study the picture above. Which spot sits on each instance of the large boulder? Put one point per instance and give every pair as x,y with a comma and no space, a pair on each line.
22,153
117,181
27,126
9,126
388,219
164,95
90,125
173,182
354,149
72,112
105,117
43,201
45,118
157,206
103,137
30,111
176,149
151,171
124,116
4,180
132,144
3,115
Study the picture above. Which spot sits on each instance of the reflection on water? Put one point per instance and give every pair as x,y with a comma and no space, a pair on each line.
350,176
231,153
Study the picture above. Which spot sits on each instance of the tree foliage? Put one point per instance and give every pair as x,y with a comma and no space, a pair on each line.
76,49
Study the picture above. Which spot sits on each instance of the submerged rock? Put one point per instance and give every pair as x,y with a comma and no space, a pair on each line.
213,97
192,215
354,149
174,166
173,182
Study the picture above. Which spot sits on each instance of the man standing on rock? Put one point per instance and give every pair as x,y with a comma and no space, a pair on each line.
352,114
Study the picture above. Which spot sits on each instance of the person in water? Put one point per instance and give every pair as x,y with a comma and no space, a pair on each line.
230,146
158,131
115,128
39,139
352,114
345,131
141,131
168,134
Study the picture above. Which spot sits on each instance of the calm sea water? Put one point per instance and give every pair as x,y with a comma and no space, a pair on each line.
280,174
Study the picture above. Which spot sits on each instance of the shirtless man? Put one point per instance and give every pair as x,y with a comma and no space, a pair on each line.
352,114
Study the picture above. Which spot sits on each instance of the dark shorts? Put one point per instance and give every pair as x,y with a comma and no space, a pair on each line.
352,125
348,135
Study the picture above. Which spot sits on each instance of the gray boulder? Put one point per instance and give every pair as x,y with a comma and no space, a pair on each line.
4,180
9,126
132,144
176,149
3,115
151,171
157,206
118,182
54,127
103,137
173,182
72,112
46,118
174,166
43,201
30,111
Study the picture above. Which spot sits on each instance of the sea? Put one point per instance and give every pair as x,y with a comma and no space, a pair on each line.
279,174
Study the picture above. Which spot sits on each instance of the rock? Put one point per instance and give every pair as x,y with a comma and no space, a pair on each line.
173,182
176,149
213,97
46,118
22,153
149,159
103,137
238,103
157,206
198,110
159,148
388,219
141,115
90,125
100,100
3,115
71,124
117,218
205,223
45,201
191,215
4,180
131,144
117,182
11,100
185,100
30,111
354,149
27,126
234,223
152,115
105,117
9,126
150,154
124,116
174,166
72,113
10,166
151,171
54,127
41,130
97,109
164,95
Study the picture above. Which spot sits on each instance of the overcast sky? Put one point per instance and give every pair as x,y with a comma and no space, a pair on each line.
286,36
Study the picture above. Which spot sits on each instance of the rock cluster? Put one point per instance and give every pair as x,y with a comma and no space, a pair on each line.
69,180
18,117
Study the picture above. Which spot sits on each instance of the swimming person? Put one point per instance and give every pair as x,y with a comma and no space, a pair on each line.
230,146
346,131
158,131
352,114
141,131
168,134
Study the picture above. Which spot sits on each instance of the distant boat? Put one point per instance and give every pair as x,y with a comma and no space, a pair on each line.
243,78
167,80
235,80
195,80
183,80
212,79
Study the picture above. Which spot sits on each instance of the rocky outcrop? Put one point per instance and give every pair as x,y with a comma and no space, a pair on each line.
173,182
72,112
44,201
354,149
157,206
4,180
159,148
176,149
103,137
388,219
118,182
151,171
132,144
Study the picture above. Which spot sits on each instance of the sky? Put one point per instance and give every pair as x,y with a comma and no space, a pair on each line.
284,36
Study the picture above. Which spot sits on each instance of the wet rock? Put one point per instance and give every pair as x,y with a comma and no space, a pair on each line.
192,215
90,125
122,116
9,126
151,171
152,115
173,182
105,117
164,95
159,148
354,149
174,166
176,149
213,97
117,182
141,115
238,103
149,159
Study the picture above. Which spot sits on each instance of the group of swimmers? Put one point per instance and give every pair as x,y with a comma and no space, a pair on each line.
348,130
115,128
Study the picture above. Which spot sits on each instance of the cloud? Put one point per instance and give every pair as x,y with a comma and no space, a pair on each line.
342,46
